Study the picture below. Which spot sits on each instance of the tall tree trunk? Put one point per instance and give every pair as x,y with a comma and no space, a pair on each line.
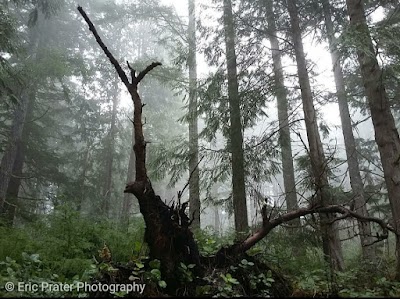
386,134
14,142
82,178
215,208
283,118
330,236
236,135
360,205
128,197
194,193
17,172
14,184
217,221
10,153
110,150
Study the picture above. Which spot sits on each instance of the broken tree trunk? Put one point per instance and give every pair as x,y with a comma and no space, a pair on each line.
167,230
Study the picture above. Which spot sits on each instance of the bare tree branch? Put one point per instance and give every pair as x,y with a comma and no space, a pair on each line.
269,224
145,71
112,59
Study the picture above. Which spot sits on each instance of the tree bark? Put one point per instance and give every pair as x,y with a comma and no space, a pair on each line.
236,134
194,193
330,237
283,118
386,134
360,205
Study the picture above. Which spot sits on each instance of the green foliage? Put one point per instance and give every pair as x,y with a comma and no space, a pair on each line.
64,248
66,135
10,44
68,242
155,274
170,158
226,289
300,256
209,243
31,271
150,275
240,279
220,285
228,282
314,281
258,281
186,275
350,286
357,281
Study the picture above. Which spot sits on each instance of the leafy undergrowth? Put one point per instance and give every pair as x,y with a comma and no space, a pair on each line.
245,278
62,248
66,248
301,259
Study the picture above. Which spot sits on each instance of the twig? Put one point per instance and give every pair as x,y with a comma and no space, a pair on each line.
355,124
23,177
39,117
273,133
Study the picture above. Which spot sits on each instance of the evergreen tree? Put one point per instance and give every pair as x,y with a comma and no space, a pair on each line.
386,134
330,238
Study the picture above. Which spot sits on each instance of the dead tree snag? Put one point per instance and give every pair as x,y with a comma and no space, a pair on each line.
167,228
